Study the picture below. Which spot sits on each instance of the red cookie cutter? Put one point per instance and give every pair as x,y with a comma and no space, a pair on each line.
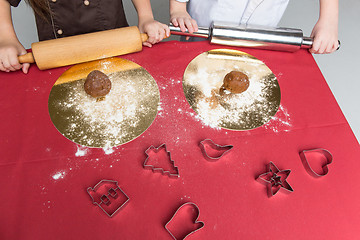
322,156
186,210
213,151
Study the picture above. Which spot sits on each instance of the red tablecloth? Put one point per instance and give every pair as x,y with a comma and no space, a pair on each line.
43,178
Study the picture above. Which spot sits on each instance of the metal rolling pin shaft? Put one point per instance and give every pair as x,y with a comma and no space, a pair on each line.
280,39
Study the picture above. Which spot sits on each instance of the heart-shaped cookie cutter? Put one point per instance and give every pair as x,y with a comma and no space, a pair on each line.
217,147
325,153
196,220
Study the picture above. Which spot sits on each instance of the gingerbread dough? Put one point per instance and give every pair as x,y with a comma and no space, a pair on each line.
235,82
97,84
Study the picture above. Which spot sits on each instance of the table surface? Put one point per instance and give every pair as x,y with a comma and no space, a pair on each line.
44,176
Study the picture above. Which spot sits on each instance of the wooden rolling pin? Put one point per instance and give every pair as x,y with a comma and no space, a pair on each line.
83,48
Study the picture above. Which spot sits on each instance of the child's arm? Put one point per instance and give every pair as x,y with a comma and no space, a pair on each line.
154,29
179,17
325,32
10,47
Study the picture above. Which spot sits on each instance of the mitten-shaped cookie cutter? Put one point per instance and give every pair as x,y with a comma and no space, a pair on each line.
195,212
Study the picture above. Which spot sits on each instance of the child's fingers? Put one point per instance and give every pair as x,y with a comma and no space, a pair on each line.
182,24
14,62
2,68
167,31
154,38
7,65
147,44
194,24
332,47
188,25
174,22
323,47
10,61
329,48
162,34
315,47
25,67
151,38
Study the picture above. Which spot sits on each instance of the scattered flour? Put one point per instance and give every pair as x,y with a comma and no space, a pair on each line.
59,175
81,151
280,122
108,150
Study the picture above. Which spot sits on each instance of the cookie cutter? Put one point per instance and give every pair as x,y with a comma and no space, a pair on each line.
323,153
195,221
103,196
159,169
218,148
276,179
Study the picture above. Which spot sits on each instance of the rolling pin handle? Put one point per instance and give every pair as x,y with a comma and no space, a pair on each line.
144,37
307,42
201,33
26,58
339,44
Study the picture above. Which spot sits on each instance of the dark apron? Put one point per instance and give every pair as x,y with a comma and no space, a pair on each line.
73,17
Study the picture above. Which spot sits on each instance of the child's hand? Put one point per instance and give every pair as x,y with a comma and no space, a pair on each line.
155,30
325,35
9,52
184,21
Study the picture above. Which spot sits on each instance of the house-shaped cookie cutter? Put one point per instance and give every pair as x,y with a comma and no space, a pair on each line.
108,196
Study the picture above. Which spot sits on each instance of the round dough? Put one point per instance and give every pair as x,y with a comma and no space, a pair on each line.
97,84
235,82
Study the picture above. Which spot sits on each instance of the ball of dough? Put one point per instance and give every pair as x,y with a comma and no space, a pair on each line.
235,82
97,84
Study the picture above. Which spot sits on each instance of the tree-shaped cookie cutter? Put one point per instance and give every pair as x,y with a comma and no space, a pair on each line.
159,169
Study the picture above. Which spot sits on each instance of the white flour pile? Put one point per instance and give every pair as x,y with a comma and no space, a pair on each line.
59,175
81,151
118,118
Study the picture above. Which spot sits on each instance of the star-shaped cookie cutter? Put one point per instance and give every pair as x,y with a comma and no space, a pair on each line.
158,169
276,179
